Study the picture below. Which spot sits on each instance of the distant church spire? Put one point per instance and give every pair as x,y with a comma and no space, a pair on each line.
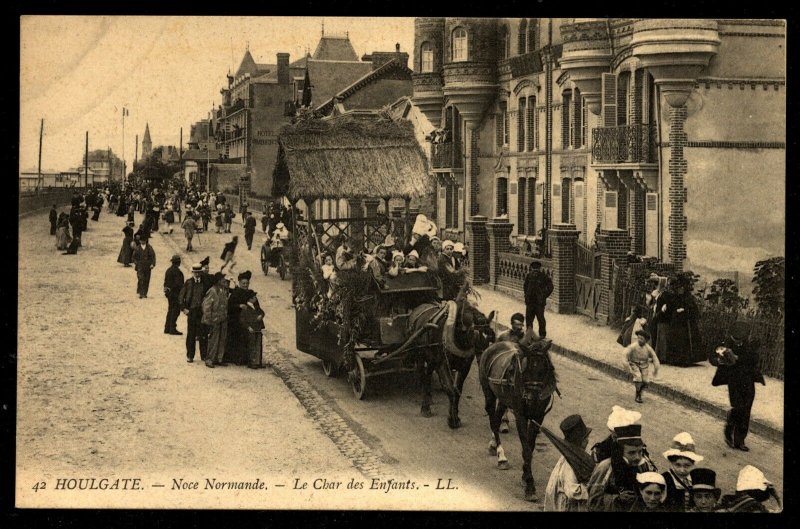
147,144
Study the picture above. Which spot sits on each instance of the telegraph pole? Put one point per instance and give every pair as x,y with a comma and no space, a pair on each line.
86,162
41,132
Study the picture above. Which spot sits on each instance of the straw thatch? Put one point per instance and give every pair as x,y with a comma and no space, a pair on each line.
345,157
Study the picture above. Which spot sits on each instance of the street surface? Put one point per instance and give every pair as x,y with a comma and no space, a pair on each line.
103,392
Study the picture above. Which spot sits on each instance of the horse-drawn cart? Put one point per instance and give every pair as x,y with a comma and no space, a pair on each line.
366,326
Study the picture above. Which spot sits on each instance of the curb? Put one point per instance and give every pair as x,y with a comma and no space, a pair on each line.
710,408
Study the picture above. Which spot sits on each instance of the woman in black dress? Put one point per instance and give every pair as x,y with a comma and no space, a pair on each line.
126,252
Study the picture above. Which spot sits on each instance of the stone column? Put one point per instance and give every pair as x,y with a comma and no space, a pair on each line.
563,239
614,244
478,249
499,233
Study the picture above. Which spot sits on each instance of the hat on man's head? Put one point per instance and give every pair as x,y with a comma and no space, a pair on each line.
622,417
206,261
574,430
704,479
536,264
247,274
197,267
218,277
631,434
751,478
175,259
683,446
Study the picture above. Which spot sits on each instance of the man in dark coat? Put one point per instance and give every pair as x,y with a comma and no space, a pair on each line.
537,287
251,319
191,303
145,259
173,283
249,229
737,366
53,219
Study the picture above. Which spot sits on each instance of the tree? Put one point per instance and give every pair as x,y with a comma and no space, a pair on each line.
769,277
725,294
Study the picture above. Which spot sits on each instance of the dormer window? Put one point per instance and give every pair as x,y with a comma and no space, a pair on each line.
459,44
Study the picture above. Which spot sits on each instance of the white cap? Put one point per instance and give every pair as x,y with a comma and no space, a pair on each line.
458,247
414,253
683,446
750,478
397,253
622,417
279,225
651,477
447,243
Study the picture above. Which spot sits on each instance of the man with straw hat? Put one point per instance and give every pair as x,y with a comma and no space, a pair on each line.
565,491
612,485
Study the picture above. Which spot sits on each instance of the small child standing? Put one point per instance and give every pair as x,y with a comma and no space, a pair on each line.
639,354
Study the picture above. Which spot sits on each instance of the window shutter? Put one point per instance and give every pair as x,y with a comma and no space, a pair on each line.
651,225
499,129
555,203
609,94
579,203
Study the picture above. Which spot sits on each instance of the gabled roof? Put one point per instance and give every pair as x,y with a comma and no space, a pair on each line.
327,78
370,77
201,155
335,49
344,157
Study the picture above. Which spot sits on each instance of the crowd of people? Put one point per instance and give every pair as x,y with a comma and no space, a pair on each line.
626,479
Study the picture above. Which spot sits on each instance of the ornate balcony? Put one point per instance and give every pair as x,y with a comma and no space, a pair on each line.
446,155
626,144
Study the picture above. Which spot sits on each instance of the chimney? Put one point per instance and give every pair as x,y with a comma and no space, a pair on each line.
379,58
283,68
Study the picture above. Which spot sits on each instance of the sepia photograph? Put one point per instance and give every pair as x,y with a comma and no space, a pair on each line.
401,263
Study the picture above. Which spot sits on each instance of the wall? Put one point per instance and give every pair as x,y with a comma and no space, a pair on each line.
38,203
265,123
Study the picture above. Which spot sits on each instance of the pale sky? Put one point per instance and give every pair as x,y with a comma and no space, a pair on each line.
77,72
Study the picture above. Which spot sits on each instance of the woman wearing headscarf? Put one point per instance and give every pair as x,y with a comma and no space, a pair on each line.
126,252
682,346
62,232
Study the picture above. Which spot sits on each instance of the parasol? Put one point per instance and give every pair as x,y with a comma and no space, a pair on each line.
581,462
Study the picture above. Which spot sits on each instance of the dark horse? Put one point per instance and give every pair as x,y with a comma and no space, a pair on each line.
521,377
471,332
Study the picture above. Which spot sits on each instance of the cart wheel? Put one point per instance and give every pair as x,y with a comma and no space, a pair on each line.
358,379
329,368
282,267
264,261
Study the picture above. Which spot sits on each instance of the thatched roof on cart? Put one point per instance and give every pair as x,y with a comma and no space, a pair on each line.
347,157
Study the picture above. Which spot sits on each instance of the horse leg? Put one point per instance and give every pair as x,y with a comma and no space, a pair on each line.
490,403
445,377
425,372
497,415
526,440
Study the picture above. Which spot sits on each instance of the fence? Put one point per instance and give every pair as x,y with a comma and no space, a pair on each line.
30,203
512,269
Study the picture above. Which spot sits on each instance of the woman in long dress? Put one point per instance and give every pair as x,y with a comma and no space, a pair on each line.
62,232
683,346
126,252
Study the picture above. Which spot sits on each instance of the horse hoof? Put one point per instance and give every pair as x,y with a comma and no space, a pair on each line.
503,465
453,423
426,412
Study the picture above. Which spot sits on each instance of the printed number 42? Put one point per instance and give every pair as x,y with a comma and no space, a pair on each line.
40,485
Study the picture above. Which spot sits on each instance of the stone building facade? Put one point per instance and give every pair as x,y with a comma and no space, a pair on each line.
669,130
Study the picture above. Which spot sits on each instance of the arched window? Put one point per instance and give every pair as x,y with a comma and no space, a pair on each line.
459,44
522,36
426,57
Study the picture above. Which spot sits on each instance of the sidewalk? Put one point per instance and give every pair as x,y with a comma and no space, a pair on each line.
587,342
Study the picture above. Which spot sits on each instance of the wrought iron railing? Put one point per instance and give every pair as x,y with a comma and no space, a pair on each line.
446,155
624,144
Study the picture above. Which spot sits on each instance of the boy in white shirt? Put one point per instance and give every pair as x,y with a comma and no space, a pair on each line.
639,354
